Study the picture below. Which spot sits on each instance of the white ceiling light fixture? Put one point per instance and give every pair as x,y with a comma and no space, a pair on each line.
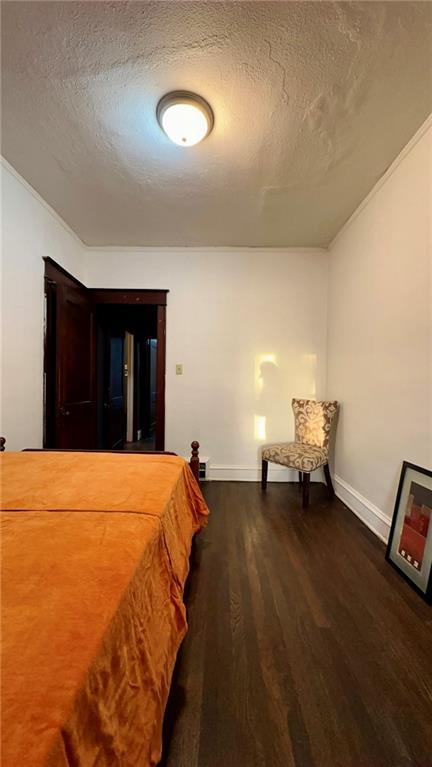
185,117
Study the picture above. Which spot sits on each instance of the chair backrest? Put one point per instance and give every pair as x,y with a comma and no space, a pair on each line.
313,421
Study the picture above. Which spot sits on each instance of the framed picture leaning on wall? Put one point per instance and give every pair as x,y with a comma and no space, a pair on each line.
409,547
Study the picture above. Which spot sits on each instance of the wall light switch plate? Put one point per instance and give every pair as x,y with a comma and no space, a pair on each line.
179,370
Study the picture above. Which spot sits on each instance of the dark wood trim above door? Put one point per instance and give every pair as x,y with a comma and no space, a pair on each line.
130,297
56,273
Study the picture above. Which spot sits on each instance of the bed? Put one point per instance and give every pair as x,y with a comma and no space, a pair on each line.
95,556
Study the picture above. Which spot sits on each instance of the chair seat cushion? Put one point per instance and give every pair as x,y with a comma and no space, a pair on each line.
296,455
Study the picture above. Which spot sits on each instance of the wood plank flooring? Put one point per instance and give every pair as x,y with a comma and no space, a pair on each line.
305,648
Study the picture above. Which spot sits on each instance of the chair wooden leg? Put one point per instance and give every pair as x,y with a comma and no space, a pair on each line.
264,473
306,485
328,480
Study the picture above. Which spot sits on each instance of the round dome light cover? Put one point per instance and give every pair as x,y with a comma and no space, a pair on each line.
185,117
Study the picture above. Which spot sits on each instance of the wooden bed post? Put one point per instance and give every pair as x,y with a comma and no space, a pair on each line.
194,461
2,444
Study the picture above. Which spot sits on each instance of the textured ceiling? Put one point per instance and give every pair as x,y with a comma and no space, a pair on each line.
312,103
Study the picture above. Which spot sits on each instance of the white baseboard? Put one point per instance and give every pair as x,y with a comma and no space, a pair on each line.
253,474
366,511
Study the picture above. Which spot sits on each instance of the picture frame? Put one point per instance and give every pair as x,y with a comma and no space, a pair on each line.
409,548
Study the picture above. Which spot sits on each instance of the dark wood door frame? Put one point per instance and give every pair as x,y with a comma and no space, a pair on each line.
55,277
115,296
50,353
131,297
68,399
128,297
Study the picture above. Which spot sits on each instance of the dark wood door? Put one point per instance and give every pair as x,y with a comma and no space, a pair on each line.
160,378
114,399
75,357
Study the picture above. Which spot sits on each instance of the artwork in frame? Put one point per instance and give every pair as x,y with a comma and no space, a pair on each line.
409,547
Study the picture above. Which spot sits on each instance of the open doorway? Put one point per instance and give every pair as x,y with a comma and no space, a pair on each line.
144,395
127,347
104,365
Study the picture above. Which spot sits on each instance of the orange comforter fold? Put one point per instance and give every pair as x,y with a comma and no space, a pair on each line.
95,556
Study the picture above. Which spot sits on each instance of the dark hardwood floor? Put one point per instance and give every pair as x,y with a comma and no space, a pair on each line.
304,648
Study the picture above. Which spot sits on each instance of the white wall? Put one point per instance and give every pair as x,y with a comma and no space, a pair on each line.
380,336
30,231
227,311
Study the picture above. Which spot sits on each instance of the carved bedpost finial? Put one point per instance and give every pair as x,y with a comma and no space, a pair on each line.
2,444
194,461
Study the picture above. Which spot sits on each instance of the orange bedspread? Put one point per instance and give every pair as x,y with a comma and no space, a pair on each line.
95,555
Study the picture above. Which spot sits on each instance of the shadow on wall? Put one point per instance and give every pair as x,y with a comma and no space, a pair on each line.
274,388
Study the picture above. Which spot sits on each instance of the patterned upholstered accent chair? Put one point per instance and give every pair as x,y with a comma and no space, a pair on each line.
313,426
